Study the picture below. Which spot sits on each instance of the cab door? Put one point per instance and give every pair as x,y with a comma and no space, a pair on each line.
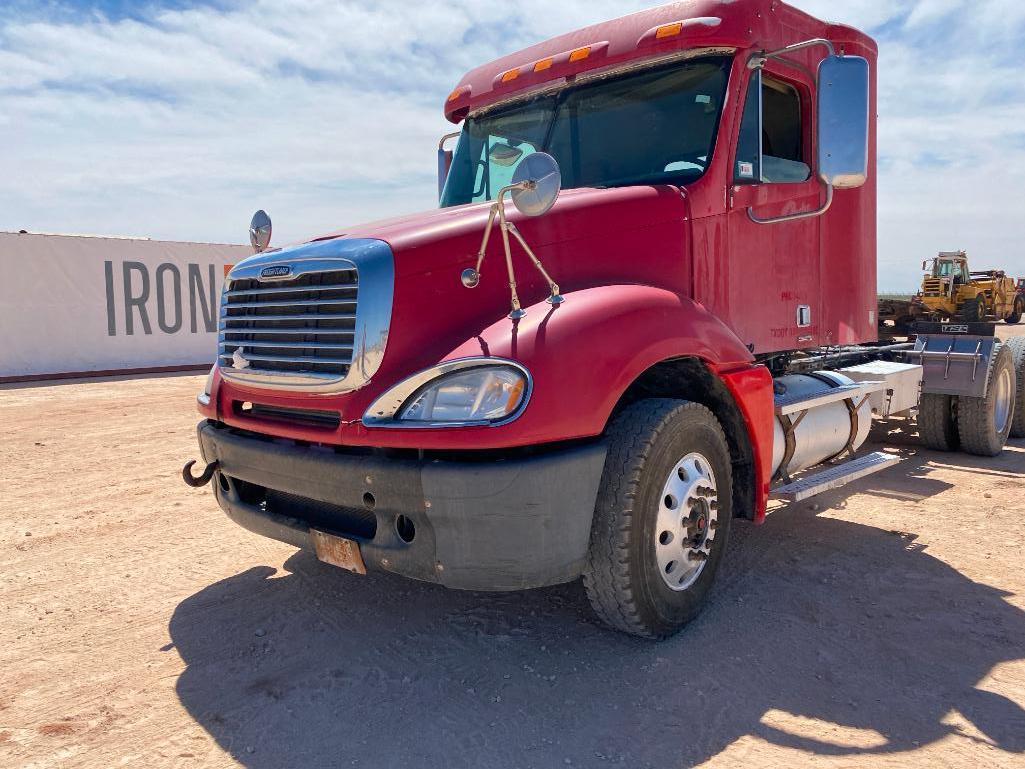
776,267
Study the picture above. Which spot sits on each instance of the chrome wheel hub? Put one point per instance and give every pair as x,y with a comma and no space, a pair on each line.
688,516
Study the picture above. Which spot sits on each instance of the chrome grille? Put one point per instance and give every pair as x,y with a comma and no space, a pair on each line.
302,325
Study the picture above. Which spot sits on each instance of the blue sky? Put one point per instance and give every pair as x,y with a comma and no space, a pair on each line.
178,119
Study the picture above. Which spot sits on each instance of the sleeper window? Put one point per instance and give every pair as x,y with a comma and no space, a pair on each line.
771,144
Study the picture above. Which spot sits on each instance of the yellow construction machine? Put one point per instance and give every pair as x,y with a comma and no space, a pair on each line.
951,291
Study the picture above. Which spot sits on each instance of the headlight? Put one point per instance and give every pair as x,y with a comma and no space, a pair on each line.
490,394
466,392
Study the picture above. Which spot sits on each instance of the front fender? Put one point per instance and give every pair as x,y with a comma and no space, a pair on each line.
584,354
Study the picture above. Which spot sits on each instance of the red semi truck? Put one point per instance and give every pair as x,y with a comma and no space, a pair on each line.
610,340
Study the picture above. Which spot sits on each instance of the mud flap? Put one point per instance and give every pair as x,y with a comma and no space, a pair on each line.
956,361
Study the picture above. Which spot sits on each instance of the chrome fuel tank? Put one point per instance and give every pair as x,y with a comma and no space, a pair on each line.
825,431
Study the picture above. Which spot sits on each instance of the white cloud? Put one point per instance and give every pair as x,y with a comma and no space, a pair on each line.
930,11
179,123
863,14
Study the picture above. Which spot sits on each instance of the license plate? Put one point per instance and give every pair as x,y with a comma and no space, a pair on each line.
338,551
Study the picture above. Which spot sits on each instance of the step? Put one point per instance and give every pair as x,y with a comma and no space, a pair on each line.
835,477
793,404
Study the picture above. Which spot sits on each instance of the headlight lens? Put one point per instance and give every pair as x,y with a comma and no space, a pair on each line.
485,394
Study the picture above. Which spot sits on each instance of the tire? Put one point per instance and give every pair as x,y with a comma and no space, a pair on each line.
984,424
1017,348
937,422
650,446
973,311
1016,314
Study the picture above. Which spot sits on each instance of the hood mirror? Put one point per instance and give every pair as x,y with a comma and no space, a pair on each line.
260,231
536,184
535,187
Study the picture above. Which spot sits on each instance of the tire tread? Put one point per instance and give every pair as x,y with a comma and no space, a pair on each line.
936,427
1017,347
973,422
971,311
607,574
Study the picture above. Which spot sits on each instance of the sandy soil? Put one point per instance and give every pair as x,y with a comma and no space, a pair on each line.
880,626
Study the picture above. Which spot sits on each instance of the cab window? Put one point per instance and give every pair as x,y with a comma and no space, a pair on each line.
771,145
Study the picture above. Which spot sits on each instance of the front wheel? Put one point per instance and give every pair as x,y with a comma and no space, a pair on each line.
973,311
1019,309
662,517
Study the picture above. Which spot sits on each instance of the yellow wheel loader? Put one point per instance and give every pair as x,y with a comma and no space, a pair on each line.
950,291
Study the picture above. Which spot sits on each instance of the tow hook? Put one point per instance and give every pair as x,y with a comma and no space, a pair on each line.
202,480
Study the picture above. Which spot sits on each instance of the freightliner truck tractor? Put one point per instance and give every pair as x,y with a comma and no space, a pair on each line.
645,305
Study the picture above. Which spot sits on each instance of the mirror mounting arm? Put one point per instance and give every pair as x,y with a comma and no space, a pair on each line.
444,161
759,60
842,118
471,277
517,311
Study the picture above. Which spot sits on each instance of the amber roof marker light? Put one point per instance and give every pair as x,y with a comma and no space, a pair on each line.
669,30
580,53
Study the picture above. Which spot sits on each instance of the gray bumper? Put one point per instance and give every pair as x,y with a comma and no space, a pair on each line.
505,524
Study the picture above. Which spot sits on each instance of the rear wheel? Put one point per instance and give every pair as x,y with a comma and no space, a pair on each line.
1017,348
1016,314
973,311
937,422
985,423
662,517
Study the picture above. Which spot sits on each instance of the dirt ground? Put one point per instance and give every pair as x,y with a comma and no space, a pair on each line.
879,626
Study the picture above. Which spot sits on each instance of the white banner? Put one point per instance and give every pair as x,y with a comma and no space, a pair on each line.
84,304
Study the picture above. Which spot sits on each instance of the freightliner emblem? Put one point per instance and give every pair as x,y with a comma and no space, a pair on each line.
277,271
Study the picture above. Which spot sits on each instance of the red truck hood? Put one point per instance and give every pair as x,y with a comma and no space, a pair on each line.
444,237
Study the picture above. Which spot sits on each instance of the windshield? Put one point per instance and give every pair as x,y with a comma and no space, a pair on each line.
947,269
656,127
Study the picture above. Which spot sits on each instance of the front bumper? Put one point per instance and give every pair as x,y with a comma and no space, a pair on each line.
503,524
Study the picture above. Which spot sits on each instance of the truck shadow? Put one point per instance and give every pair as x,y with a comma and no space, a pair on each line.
824,635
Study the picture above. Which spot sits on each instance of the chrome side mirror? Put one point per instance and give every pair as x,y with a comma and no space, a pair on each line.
260,231
536,184
843,121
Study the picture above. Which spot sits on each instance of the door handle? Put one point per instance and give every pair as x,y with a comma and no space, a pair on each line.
794,217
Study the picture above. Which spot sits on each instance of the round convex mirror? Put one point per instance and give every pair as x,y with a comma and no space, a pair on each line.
260,231
543,172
